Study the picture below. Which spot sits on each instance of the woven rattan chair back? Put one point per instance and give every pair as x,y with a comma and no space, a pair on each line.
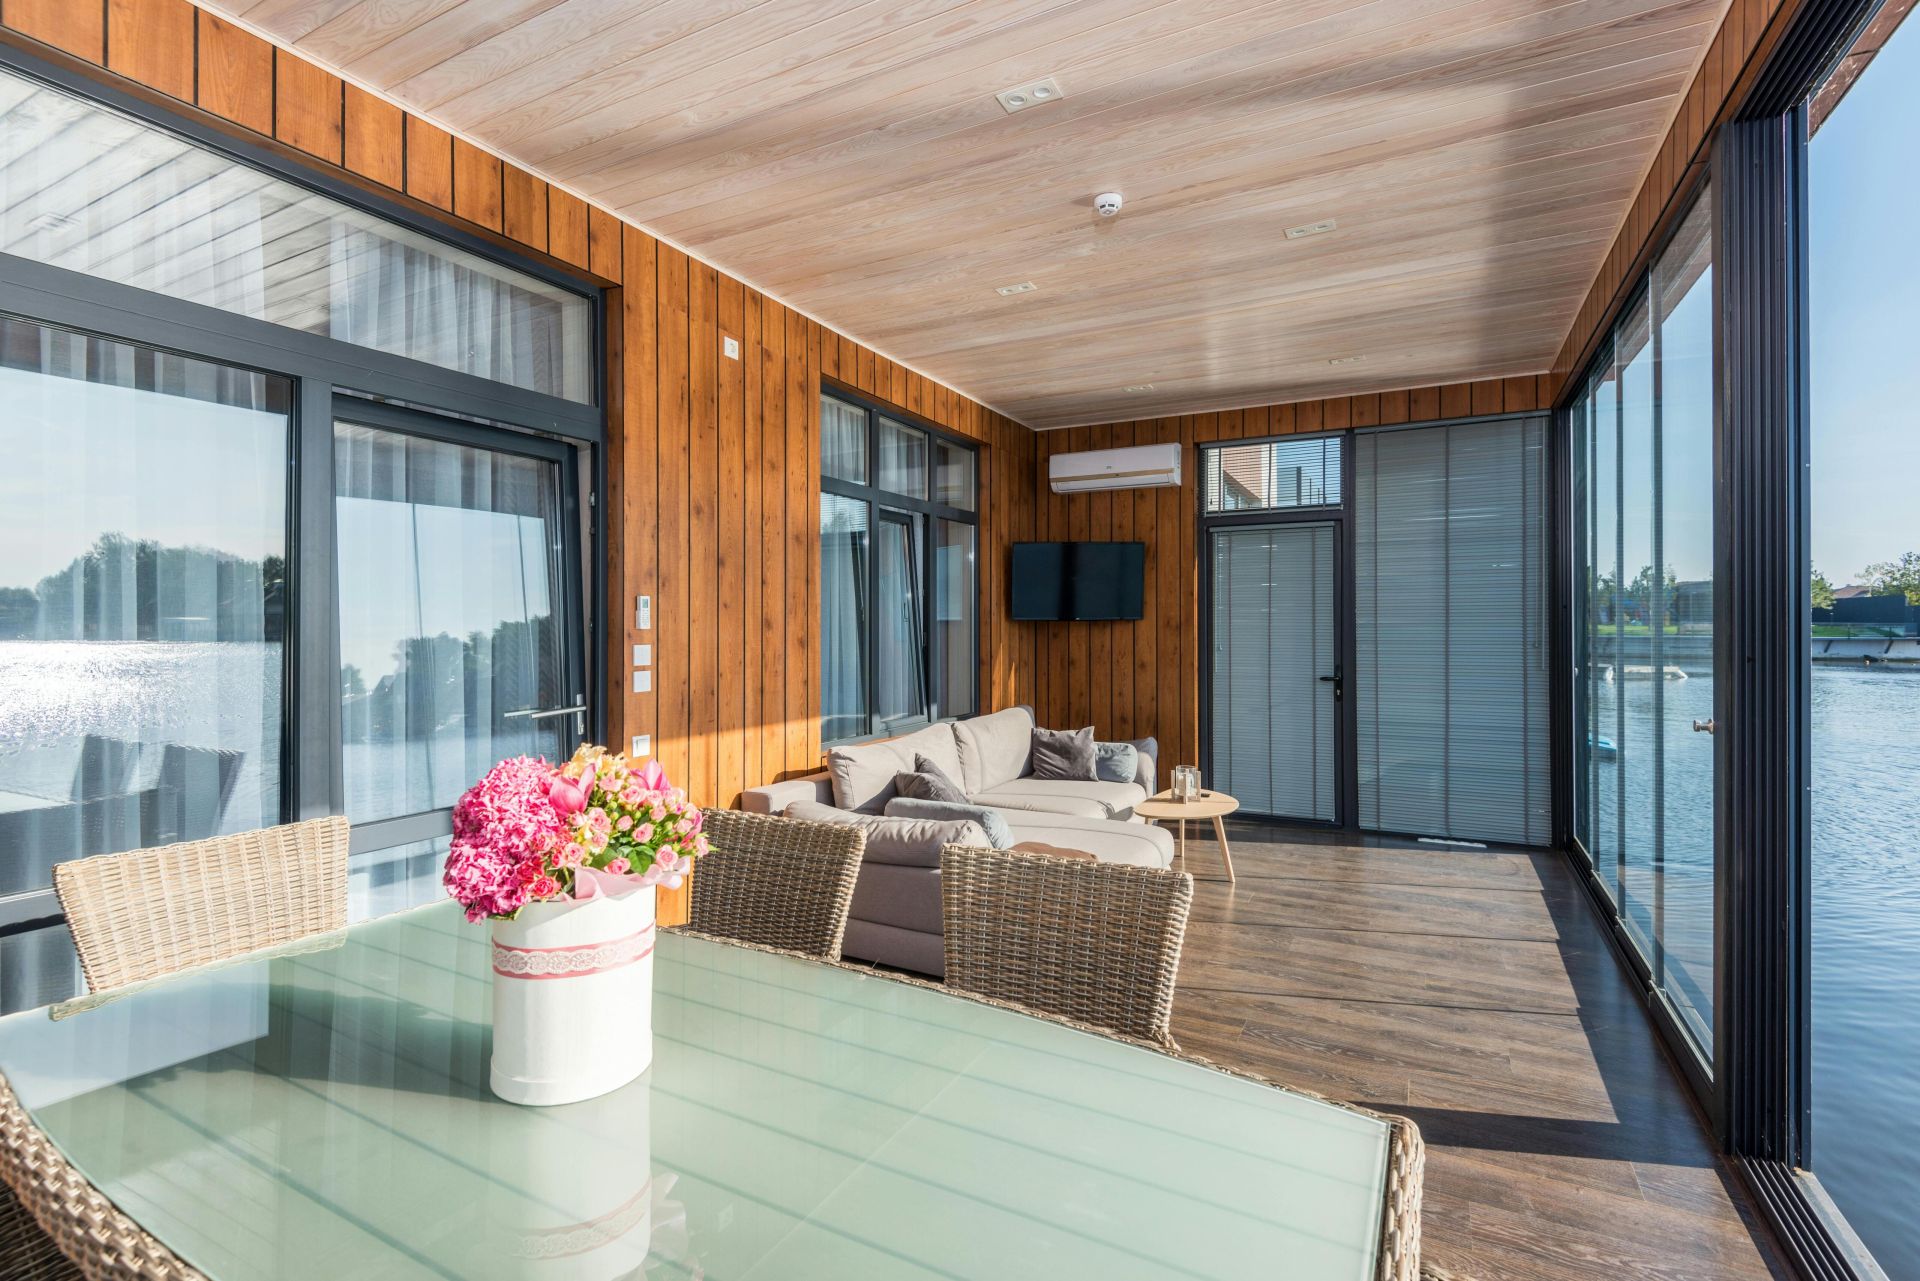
146,913
1096,942
779,882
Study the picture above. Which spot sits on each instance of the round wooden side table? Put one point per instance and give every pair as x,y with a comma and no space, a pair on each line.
1161,807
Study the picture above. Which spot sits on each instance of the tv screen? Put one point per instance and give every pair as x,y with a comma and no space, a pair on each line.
1079,582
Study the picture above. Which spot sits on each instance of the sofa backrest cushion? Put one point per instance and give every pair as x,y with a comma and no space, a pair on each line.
863,772
991,821
994,749
910,842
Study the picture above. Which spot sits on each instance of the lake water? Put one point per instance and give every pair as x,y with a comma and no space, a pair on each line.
1866,912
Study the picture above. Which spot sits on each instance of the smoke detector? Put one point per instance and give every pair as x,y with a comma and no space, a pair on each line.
1107,204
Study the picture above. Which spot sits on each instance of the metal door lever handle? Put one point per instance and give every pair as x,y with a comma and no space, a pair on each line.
1703,727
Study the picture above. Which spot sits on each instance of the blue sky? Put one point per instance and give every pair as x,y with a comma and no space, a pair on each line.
1864,196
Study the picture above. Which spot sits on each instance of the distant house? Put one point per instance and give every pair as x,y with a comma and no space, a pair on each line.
1850,591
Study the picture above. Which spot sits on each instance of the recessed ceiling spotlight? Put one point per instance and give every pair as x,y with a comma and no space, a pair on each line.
1346,360
1138,387
1024,287
1310,229
1020,97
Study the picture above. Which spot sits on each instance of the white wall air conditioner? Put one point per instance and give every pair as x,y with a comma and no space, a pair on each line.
1136,467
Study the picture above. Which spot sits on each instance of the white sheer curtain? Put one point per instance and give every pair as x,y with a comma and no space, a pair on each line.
843,617
89,190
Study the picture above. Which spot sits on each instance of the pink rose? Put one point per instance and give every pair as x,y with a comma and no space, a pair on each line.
625,823
619,866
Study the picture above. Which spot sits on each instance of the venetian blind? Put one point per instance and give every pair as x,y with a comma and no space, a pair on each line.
1450,622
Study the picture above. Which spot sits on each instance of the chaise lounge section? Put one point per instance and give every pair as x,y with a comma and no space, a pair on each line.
896,904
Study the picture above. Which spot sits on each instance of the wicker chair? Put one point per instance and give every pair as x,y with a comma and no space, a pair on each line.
147,913
1094,942
56,1226
779,882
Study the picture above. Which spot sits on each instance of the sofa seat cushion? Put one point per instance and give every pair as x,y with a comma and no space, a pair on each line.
993,749
907,842
863,773
1135,844
1089,798
907,897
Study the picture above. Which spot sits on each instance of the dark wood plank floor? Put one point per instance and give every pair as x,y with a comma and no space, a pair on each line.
1474,992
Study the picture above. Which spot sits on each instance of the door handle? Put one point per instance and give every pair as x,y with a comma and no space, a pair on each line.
1703,727
540,714
1338,684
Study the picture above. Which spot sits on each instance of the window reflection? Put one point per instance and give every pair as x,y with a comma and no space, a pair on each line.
142,593
449,563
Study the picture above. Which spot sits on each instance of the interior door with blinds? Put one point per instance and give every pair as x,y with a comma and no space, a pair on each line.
1276,679
1451,544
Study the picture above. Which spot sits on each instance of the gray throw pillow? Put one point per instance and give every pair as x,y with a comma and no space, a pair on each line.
1063,754
991,821
1116,762
928,782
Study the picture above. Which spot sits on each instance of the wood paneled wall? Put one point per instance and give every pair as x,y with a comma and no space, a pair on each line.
713,474
1747,34
1135,679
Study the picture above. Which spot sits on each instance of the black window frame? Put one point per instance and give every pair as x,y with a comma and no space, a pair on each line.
324,372
877,499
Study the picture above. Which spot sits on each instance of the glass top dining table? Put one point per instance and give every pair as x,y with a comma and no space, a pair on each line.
325,1114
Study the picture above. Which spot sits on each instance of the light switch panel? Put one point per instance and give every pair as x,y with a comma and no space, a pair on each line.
642,746
731,346
643,656
642,682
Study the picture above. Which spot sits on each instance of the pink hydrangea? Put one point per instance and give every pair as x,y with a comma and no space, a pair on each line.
501,829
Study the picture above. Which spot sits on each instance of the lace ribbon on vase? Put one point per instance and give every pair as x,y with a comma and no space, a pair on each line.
571,962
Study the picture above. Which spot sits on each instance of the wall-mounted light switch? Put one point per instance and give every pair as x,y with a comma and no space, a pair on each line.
642,682
642,746
643,613
643,656
731,346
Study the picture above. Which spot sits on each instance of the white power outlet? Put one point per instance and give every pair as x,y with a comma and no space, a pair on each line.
642,746
643,656
642,682
730,347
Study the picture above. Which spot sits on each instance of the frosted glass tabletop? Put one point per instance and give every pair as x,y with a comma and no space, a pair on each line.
326,1115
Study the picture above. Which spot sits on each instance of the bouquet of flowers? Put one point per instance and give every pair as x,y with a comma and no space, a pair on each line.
530,832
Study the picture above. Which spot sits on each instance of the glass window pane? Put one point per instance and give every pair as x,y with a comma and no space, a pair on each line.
953,475
1647,783
843,440
87,189
899,656
1278,474
1680,628
843,618
954,595
143,530
903,459
453,624
1864,310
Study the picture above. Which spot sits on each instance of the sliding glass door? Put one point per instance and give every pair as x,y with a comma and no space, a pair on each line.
1645,768
459,624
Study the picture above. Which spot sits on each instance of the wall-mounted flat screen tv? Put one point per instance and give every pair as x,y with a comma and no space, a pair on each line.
1078,582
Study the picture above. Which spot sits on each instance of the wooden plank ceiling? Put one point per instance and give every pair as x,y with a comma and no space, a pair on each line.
1477,157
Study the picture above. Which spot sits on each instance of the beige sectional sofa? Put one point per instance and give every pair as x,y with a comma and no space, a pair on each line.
896,905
